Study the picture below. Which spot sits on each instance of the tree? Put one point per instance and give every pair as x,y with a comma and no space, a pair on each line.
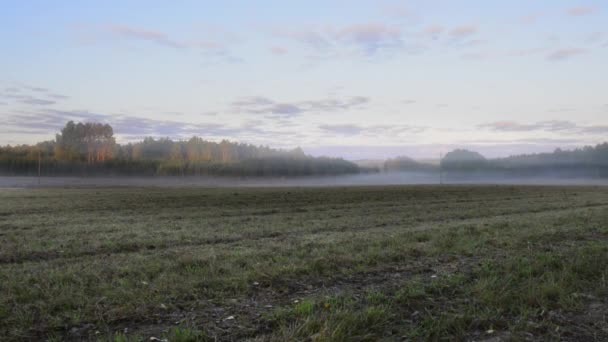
90,142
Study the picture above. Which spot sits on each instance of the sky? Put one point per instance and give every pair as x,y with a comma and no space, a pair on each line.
357,79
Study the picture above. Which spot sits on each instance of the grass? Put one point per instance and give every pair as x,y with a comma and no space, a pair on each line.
328,264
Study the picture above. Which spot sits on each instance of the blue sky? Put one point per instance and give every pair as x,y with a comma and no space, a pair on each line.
359,79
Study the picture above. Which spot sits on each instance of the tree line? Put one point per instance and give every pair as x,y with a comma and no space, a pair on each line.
589,161
91,149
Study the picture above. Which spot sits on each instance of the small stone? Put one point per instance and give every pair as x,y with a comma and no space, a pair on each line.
229,318
163,306
255,283
490,331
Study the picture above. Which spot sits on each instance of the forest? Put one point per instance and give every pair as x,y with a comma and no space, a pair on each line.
589,161
91,149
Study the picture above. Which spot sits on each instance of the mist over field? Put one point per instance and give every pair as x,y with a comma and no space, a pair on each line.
392,178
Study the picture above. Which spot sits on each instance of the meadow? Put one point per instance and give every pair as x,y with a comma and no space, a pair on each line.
392,263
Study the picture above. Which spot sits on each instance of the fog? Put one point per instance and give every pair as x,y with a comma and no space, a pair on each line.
371,179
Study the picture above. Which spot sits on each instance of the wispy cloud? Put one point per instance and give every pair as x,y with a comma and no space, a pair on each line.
433,31
37,89
463,31
58,96
38,102
263,105
597,129
555,126
513,126
474,56
159,37
581,10
596,37
367,38
214,45
372,130
526,52
278,50
29,95
346,129
130,127
531,18
564,54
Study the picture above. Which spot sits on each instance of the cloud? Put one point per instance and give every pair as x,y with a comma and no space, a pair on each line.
374,130
37,89
286,109
313,39
596,37
214,52
526,52
433,31
278,50
347,129
399,11
31,95
263,105
554,126
252,101
154,36
58,96
369,37
581,10
38,102
131,127
512,126
564,54
158,37
463,31
365,38
49,121
531,18
596,129
474,56
332,104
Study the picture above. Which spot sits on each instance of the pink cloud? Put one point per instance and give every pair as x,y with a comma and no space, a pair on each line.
579,11
464,31
564,54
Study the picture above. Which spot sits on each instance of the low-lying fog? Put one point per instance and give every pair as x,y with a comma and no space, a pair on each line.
397,178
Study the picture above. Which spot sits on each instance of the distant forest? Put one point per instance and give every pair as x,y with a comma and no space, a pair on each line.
91,149
585,162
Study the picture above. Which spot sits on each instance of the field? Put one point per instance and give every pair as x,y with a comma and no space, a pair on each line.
323,264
